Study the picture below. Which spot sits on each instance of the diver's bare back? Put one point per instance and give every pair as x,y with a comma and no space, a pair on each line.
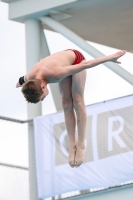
46,69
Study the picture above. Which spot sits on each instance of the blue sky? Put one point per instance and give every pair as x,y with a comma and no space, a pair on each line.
102,84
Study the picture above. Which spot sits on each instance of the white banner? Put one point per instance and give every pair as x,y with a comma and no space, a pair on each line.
109,157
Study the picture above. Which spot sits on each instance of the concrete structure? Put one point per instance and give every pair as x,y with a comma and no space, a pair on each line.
101,21
33,55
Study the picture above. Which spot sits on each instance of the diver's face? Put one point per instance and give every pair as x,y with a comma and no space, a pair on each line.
45,93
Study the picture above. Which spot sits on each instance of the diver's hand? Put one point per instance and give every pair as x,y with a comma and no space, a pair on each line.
114,58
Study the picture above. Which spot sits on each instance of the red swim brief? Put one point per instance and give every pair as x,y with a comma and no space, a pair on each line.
78,56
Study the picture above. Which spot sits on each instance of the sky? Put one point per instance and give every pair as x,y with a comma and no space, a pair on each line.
102,84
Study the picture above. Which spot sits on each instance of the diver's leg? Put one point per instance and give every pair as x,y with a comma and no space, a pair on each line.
78,84
65,87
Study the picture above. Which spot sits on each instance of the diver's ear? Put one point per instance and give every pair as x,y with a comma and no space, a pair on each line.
43,86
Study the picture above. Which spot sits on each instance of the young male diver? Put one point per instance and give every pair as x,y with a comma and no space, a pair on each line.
69,69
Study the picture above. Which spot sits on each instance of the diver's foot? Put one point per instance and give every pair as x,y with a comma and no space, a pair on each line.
80,152
72,152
